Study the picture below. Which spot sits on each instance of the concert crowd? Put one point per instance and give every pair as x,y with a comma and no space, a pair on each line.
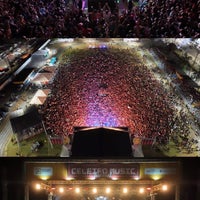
110,88
59,18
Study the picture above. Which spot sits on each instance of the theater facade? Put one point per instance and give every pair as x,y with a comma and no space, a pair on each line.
102,179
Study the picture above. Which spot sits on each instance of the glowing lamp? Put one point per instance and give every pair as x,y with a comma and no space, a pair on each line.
136,178
114,178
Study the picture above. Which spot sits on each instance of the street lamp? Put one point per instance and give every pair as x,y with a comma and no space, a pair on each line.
77,190
94,190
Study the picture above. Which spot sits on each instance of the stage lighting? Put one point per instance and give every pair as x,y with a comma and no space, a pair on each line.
141,191
61,189
108,190
94,190
164,187
125,190
38,186
77,190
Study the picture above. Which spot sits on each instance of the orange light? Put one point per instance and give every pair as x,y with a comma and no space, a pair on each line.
156,177
61,189
38,186
44,178
77,190
92,178
68,178
108,190
164,188
136,178
125,190
141,190
114,178
94,190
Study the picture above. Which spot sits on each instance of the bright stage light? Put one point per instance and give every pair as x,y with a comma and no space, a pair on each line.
108,190
77,190
164,187
148,188
125,190
38,186
141,190
136,178
91,178
61,189
94,190
68,178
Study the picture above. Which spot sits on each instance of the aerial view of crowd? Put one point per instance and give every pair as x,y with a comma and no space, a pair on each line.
109,88
65,18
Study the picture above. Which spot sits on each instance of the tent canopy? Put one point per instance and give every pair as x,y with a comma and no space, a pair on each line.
40,97
42,78
25,121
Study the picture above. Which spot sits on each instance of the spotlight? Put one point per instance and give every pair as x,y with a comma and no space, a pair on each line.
136,178
141,191
107,190
149,188
92,178
156,177
114,178
38,186
44,178
125,190
164,187
77,190
68,178
61,189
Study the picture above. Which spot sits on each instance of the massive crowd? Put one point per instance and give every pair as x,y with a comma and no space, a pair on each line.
59,18
107,87
185,122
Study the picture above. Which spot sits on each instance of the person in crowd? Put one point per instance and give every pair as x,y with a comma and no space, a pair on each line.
150,18
107,87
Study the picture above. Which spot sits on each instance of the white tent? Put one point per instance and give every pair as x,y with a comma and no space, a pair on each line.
40,97
41,52
3,65
66,151
49,69
42,78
